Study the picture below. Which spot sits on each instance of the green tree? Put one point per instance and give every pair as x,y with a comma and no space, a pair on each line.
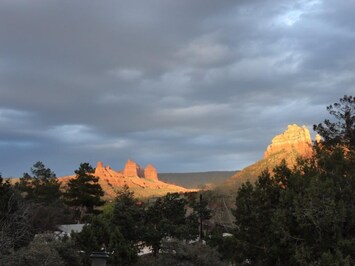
41,189
343,130
167,218
201,212
115,233
128,215
42,186
122,252
84,192
95,236
335,154
255,207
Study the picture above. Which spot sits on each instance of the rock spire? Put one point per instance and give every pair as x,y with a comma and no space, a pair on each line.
150,172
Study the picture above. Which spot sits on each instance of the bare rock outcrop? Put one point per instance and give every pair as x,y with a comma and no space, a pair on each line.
100,169
295,138
143,182
288,146
132,169
150,172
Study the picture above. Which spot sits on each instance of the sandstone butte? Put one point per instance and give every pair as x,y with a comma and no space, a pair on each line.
143,182
293,143
294,139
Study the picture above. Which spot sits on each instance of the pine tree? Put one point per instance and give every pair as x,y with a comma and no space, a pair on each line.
42,186
84,192
342,131
128,215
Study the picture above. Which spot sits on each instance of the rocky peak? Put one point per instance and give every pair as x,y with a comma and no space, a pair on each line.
99,170
132,169
295,138
150,172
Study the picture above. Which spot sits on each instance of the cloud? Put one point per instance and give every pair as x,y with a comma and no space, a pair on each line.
73,134
185,85
205,51
126,74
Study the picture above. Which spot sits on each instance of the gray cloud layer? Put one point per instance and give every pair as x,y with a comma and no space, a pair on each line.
186,85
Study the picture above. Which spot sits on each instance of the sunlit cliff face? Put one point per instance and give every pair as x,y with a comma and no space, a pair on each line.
294,138
143,182
295,142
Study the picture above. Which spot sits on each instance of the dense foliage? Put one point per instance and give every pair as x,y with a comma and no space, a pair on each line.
131,224
122,228
30,208
45,249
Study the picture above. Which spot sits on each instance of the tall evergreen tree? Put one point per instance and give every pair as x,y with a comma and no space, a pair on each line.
342,131
84,192
201,212
128,215
41,188
168,218
41,185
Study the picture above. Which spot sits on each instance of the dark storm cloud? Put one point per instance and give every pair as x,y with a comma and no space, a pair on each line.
185,85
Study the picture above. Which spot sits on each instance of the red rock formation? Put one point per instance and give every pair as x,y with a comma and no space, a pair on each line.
99,170
144,183
150,172
293,143
132,169
295,138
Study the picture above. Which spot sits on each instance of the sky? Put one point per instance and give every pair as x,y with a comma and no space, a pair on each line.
185,85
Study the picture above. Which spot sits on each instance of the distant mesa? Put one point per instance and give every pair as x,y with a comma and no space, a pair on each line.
295,142
144,182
